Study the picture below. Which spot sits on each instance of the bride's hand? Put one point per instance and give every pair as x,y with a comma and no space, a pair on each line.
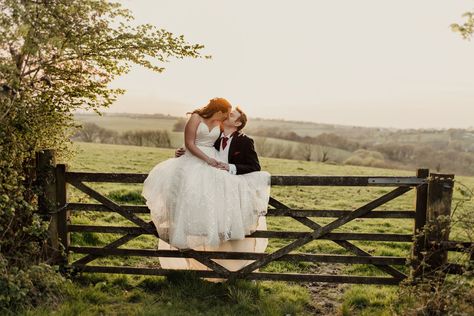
223,166
212,162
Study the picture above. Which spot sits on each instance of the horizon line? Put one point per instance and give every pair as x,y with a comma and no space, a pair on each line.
469,128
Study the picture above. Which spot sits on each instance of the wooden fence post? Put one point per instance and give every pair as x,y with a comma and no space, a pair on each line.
62,213
419,244
47,203
440,192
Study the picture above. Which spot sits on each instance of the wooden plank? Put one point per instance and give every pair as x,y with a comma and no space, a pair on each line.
343,181
105,177
137,209
323,230
256,234
108,229
253,276
338,213
455,268
281,180
141,209
460,246
329,258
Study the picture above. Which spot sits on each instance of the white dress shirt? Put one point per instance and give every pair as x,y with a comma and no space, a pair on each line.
224,154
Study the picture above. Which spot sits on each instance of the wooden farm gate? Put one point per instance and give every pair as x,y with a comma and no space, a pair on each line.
433,198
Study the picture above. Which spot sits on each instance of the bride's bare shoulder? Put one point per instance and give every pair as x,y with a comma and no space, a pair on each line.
193,121
195,117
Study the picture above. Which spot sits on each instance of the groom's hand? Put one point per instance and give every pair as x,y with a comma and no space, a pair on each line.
179,152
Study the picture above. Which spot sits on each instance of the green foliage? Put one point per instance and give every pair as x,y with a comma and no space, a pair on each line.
443,295
467,28
29,287
435,292
56,57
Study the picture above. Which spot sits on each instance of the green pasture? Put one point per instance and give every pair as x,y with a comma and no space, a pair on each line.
183,294
128,123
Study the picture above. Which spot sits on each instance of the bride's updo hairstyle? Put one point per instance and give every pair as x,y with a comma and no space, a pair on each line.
215,105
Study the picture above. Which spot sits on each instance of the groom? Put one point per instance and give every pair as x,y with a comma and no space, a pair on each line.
236,150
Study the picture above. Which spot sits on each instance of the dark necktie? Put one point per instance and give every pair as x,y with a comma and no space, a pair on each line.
224,141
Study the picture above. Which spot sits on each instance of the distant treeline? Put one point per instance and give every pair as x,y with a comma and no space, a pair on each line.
92,133
450,151
450,156
324,139
298,151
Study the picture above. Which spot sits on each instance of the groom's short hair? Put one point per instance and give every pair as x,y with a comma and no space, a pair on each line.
242,119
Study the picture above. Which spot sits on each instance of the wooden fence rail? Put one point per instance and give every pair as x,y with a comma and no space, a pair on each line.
433,200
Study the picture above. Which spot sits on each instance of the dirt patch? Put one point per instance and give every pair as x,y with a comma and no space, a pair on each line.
327,297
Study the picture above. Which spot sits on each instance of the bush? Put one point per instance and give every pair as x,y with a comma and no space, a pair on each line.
21,289
444,295
93,133
145,138
368,158
179,125
435,292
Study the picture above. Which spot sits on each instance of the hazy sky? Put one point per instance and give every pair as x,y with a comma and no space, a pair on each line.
366,62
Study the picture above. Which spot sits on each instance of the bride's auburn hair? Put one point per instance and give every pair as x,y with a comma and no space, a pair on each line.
215,105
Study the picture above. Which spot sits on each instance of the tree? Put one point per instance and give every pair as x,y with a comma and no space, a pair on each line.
467,28
179,125
57,56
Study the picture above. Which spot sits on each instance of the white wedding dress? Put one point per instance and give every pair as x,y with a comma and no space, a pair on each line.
194,205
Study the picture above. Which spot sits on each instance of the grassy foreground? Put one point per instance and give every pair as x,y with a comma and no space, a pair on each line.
184,294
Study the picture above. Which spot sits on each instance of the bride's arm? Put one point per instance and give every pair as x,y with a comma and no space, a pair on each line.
190,137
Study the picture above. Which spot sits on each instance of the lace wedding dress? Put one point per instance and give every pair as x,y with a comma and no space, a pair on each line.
194,205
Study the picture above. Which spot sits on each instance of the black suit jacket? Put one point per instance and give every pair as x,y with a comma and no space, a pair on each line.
241,153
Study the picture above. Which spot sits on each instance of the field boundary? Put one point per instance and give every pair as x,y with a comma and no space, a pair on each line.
432,201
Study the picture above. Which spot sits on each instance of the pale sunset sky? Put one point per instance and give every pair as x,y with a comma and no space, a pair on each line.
366,63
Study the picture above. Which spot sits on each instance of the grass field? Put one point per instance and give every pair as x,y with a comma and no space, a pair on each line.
127,123
184,294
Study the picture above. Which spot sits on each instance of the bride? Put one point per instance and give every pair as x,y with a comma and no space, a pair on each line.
193,202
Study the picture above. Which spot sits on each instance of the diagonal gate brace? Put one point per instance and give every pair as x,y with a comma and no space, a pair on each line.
343,243
317,233
148,227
